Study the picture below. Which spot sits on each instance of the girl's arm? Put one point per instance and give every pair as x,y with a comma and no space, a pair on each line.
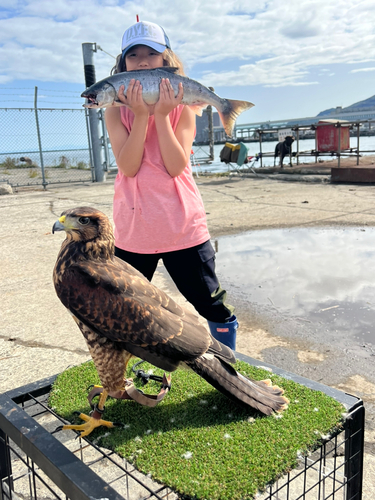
128,147
175,147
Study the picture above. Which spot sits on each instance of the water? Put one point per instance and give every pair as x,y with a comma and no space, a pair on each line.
325,276
365,144
75,156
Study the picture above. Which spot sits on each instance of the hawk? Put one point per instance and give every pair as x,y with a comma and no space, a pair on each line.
121,315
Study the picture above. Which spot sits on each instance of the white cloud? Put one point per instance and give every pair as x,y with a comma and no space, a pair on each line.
292,84
362,69
261,42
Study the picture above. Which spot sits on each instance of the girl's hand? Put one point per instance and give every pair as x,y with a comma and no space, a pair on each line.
167,100
133,99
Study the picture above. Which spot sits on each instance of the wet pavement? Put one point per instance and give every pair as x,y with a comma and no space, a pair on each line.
325,276
314,290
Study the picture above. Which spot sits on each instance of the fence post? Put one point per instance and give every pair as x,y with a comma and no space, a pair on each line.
339,145
107,162
39,139
358,134
5,465
260,148
211,136
297,146
354,450
88,50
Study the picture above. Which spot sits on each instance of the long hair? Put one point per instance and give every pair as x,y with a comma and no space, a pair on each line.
169,59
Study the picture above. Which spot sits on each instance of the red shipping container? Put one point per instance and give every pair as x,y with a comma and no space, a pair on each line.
327,134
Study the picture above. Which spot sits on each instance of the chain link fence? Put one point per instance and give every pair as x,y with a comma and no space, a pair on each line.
47,146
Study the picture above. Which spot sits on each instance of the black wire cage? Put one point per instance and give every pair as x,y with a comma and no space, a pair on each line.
38,462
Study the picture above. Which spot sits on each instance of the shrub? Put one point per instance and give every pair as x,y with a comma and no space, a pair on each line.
9,162
33,173
63,162
82,165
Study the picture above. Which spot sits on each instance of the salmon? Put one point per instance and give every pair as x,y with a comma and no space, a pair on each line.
105,93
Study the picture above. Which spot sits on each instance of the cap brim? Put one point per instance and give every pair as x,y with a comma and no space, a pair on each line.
156,46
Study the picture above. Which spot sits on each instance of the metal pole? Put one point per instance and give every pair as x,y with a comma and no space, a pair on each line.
89,143
5,465
339,151
105,143
260,148
354,451
297,145
357,143
39,139
88,50
211,137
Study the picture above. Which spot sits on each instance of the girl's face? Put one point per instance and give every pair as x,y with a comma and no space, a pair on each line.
143,57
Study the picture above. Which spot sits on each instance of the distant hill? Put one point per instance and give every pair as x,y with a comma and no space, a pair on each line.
357,106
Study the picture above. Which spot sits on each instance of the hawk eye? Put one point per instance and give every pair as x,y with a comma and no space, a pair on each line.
84,221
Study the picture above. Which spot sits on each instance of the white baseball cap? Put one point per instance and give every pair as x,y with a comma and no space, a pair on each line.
145,33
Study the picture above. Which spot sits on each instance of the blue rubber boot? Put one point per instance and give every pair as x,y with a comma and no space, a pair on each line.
225,332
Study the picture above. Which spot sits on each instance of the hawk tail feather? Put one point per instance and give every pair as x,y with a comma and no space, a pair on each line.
262,396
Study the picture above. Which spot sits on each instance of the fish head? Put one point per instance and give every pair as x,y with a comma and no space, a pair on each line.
100,95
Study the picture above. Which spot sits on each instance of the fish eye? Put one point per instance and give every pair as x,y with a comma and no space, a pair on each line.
84,221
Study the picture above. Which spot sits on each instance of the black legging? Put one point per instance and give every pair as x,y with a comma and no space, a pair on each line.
193,272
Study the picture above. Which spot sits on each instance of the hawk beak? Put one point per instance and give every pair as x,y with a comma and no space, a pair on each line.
59,225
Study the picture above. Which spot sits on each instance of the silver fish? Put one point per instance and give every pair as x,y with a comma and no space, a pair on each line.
105,93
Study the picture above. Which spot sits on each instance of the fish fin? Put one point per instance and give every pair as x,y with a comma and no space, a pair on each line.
198,108
231,111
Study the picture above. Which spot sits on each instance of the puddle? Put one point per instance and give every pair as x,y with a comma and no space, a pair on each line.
326,276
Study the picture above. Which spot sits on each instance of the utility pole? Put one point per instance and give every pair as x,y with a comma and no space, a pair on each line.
88,50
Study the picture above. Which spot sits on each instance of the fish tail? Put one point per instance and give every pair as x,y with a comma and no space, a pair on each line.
230,111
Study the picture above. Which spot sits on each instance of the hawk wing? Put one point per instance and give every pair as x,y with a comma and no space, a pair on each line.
119,303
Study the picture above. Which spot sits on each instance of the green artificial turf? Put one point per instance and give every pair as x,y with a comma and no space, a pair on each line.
197,441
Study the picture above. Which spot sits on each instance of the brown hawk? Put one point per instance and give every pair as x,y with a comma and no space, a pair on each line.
121,314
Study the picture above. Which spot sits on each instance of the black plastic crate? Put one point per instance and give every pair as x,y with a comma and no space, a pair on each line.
36,462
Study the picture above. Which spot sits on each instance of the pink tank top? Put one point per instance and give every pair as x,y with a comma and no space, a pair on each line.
152,211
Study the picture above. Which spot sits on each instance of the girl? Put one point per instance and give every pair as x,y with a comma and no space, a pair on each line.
157,208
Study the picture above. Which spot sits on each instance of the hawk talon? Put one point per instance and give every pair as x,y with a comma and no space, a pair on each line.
90,424
118,424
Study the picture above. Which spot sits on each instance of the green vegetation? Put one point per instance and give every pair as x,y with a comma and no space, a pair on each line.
33,173
15,163
9,162
62,162
196,440
82,165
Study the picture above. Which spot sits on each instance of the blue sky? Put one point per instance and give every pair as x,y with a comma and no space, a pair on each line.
291,58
